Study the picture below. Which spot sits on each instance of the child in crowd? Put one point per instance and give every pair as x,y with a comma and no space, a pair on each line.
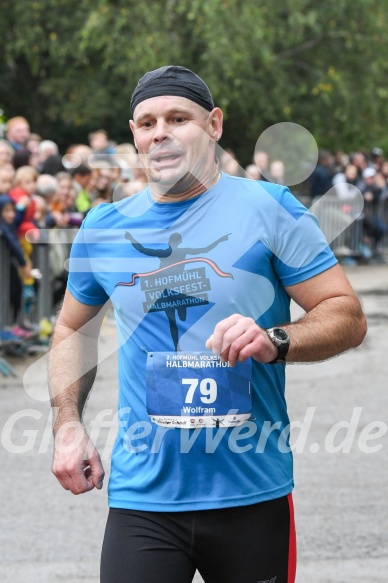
7,174
23,196
18,262
40,212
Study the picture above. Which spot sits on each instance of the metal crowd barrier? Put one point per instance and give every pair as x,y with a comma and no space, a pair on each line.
383,213
44,299
5,285
341,221
43,303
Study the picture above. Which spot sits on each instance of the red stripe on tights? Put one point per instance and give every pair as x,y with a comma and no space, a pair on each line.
292,543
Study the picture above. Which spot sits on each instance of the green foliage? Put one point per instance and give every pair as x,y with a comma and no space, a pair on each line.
71,66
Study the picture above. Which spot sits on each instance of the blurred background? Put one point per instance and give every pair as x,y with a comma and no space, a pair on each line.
67,72
70,67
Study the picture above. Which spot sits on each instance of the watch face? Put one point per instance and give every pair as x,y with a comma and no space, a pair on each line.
280,334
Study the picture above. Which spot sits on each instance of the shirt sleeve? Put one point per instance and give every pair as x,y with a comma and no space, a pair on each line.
83,281
300,248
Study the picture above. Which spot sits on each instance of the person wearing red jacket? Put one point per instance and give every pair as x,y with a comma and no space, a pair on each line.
22,195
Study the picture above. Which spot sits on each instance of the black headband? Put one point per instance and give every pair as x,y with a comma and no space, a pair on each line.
172,80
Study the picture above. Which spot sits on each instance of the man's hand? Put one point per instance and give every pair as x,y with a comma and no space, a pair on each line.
237,338
77,464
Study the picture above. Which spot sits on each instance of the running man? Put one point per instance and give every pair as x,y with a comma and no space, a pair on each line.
201,473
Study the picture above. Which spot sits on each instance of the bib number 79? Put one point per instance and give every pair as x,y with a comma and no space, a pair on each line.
207,388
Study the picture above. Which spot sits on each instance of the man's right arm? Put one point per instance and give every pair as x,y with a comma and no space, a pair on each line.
72,370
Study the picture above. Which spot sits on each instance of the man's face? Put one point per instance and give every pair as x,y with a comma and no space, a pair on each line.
261,160
99,141
351,172
84,152
175,139
359,160
19,132
277,169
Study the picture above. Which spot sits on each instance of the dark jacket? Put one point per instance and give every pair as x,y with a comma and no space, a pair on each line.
9,234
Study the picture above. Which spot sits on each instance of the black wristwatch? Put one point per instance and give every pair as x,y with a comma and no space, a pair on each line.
281,340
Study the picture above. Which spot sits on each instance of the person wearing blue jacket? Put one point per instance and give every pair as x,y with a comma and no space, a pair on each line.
9,220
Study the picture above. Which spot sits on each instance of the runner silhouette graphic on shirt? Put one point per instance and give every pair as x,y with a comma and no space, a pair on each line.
175,257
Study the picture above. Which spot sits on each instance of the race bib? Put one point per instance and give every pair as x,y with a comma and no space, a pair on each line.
196,389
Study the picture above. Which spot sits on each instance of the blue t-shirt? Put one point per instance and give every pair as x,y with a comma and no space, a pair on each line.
172,272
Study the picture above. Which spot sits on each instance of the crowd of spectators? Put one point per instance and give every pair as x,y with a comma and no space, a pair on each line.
340,175
42,188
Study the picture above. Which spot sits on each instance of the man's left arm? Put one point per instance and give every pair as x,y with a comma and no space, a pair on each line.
333,323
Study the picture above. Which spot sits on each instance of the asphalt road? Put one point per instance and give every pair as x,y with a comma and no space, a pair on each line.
341,468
